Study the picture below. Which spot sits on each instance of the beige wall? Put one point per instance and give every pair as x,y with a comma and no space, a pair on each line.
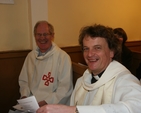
67,16
14,26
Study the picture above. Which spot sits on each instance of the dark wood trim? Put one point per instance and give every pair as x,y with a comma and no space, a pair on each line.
75,53
72,49
13,54
133,43
134,46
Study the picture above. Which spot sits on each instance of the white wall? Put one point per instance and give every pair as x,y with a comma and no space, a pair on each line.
67,16
17,22
14,26
38,12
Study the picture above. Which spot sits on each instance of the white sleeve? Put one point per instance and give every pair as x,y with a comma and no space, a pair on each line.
90,109
105,108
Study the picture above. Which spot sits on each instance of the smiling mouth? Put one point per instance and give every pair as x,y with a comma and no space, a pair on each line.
92,60
43,42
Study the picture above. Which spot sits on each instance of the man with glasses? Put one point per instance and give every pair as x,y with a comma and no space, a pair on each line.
47,71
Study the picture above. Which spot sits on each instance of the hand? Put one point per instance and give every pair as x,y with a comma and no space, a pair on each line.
23,97
42,103
56,108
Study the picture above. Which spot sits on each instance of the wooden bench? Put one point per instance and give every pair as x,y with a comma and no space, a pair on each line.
78,70
10,66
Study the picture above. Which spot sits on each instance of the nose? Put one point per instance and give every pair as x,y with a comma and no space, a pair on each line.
91,52
42,36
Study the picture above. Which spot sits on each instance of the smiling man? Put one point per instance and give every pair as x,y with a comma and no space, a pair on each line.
114,90
47,71
44,35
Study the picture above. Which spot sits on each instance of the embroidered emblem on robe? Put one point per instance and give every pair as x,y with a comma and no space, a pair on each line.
48,79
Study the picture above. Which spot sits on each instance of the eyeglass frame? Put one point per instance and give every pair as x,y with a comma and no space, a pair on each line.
42,34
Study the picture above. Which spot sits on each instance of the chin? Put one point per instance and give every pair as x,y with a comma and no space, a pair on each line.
91,66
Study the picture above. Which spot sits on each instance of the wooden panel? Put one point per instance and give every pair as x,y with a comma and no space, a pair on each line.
75,53
133,43
78,71
10,66
134,46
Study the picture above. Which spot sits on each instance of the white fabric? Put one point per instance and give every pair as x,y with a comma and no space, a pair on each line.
47,77
96,77
122,96
98,99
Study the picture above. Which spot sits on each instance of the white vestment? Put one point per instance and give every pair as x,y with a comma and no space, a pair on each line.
117,91
47,77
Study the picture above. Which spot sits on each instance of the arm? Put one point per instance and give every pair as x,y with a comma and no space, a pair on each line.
23,81
24,76
56,109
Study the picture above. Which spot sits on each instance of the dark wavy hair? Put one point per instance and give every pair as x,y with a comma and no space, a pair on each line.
102,31
121,33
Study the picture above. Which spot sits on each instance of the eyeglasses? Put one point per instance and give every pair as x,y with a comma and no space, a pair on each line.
44,34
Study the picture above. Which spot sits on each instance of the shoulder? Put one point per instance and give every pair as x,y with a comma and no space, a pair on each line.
78,82
127,79
30,54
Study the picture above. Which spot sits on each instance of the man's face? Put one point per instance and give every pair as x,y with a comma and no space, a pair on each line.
43,37
96,54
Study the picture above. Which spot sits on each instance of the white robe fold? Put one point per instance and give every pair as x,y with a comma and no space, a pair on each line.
117,91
